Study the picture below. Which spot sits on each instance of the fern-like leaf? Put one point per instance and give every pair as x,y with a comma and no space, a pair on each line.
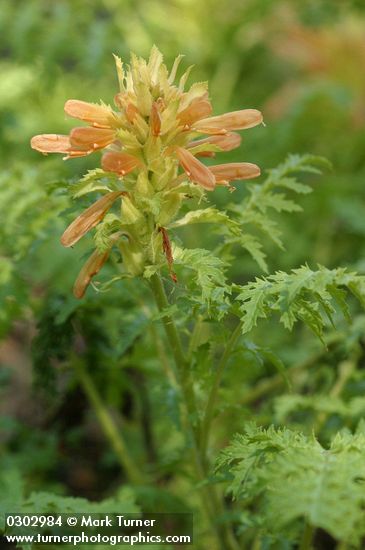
288,472
208,272
95,180
302,294
271,196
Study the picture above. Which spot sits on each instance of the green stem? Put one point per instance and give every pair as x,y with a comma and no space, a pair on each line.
212,398
307,538
176,347
195,337
210,500
170,327
108,425
345,371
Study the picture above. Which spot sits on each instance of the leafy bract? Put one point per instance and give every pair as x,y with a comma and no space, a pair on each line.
208,272
95,180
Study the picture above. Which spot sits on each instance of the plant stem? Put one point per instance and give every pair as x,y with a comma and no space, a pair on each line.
195,336
108,425
212,398
176,347
210,500
306,542
345,371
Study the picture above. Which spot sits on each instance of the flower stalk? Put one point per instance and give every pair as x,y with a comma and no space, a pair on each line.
213,392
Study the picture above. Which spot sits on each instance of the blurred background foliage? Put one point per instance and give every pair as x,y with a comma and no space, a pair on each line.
300,62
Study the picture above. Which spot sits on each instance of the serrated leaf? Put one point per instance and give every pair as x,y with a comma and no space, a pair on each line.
302,294
95,180
104,231
269,196
279,469
208,269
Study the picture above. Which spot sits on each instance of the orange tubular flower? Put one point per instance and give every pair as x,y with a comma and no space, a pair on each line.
237,120
120,163
225,142
99,116
91,139
51,143
91,267
88,219
195,170
85,140
234,171
199,108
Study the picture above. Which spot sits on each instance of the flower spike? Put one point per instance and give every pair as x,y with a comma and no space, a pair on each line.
151,144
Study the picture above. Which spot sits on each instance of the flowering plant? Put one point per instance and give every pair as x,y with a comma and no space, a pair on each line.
152,181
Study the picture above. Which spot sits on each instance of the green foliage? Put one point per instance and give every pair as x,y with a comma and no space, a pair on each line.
329,405
279,469
208,273
16,499
270,196
29,211
52,343
103,232
256,209
207,215
303,294
27,207
95,180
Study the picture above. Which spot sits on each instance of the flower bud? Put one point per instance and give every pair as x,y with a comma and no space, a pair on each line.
155,120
